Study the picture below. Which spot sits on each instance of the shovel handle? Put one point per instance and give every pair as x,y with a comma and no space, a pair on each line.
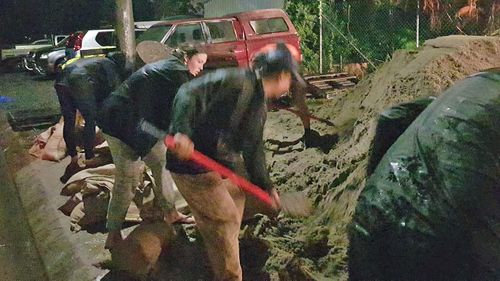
208,163
328,122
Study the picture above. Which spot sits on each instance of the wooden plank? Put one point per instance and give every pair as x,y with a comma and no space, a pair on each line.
333,79
325,75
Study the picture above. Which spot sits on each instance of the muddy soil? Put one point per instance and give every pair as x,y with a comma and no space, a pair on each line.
315,248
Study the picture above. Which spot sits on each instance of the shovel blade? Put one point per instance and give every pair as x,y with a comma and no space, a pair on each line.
295,204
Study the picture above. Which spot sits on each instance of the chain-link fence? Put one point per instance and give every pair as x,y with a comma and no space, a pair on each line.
370,31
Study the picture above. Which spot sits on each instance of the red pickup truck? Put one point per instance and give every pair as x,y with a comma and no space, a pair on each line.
231,40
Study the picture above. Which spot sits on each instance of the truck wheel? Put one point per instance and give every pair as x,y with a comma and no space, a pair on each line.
40,70
58,64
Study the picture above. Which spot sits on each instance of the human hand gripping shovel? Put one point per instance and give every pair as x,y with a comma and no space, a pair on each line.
294,204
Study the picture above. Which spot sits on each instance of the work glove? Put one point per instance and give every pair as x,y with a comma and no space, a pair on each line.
311,138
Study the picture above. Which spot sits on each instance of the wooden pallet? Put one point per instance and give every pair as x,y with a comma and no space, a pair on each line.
22,120
331,81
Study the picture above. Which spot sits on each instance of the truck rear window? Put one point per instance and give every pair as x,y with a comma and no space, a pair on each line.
263,26
154,33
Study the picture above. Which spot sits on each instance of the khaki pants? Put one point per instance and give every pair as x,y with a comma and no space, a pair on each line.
128,175
217,206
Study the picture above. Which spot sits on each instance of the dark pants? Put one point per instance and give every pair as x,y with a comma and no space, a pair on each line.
79,95
69,53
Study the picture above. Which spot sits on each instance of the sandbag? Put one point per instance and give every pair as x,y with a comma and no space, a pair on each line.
139,252
90,191
50,144
431,209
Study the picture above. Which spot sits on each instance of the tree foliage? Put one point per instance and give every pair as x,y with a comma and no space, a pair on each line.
371,30
305,19
167,8
353,30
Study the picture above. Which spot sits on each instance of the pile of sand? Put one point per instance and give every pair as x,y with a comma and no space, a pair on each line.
315,248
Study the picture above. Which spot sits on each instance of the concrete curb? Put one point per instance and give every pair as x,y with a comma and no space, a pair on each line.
19,255
66,256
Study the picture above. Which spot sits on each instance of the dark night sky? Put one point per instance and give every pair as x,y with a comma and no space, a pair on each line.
20,18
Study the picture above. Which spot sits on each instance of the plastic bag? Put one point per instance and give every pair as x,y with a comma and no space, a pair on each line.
431,209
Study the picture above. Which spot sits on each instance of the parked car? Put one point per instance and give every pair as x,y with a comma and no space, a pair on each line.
94,42
47,61
231,40
23,49
28,61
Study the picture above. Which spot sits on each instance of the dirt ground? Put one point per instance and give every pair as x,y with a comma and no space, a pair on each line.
314,248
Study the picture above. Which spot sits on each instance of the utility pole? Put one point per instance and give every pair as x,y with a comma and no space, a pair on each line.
126,32
320,37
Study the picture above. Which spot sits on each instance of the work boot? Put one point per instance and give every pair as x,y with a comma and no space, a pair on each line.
70,170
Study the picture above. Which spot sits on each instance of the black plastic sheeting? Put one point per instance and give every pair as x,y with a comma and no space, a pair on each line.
390,125
431,208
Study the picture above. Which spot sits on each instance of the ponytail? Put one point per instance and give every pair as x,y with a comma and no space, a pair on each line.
186,50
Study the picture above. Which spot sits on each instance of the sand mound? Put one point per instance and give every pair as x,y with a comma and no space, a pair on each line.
315,248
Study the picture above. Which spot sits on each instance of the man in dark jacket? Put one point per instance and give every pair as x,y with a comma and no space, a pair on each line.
82,85
222,114
146,96
296,97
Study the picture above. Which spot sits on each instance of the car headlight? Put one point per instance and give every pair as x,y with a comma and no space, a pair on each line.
44,56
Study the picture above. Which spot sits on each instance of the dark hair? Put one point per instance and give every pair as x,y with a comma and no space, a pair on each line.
274,62
187,50
120,61
118,58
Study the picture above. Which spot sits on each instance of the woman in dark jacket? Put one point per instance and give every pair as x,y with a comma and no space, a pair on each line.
147,95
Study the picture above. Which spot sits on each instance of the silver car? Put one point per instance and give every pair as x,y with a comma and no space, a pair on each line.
94,42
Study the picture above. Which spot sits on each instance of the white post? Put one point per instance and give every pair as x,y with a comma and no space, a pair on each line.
320,37
418,22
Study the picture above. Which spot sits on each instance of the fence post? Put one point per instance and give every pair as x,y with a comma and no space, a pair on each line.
320,37
418,22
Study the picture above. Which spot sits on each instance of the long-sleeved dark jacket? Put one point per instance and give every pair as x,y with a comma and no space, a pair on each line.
146,95
223,113
83,85
91,78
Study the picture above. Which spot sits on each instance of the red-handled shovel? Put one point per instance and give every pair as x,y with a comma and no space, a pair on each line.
293,203
206,162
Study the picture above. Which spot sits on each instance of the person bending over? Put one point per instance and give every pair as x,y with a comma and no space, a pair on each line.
146,96
82,85
222,114
295,97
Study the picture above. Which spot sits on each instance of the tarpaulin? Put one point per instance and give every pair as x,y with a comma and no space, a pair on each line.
431,208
